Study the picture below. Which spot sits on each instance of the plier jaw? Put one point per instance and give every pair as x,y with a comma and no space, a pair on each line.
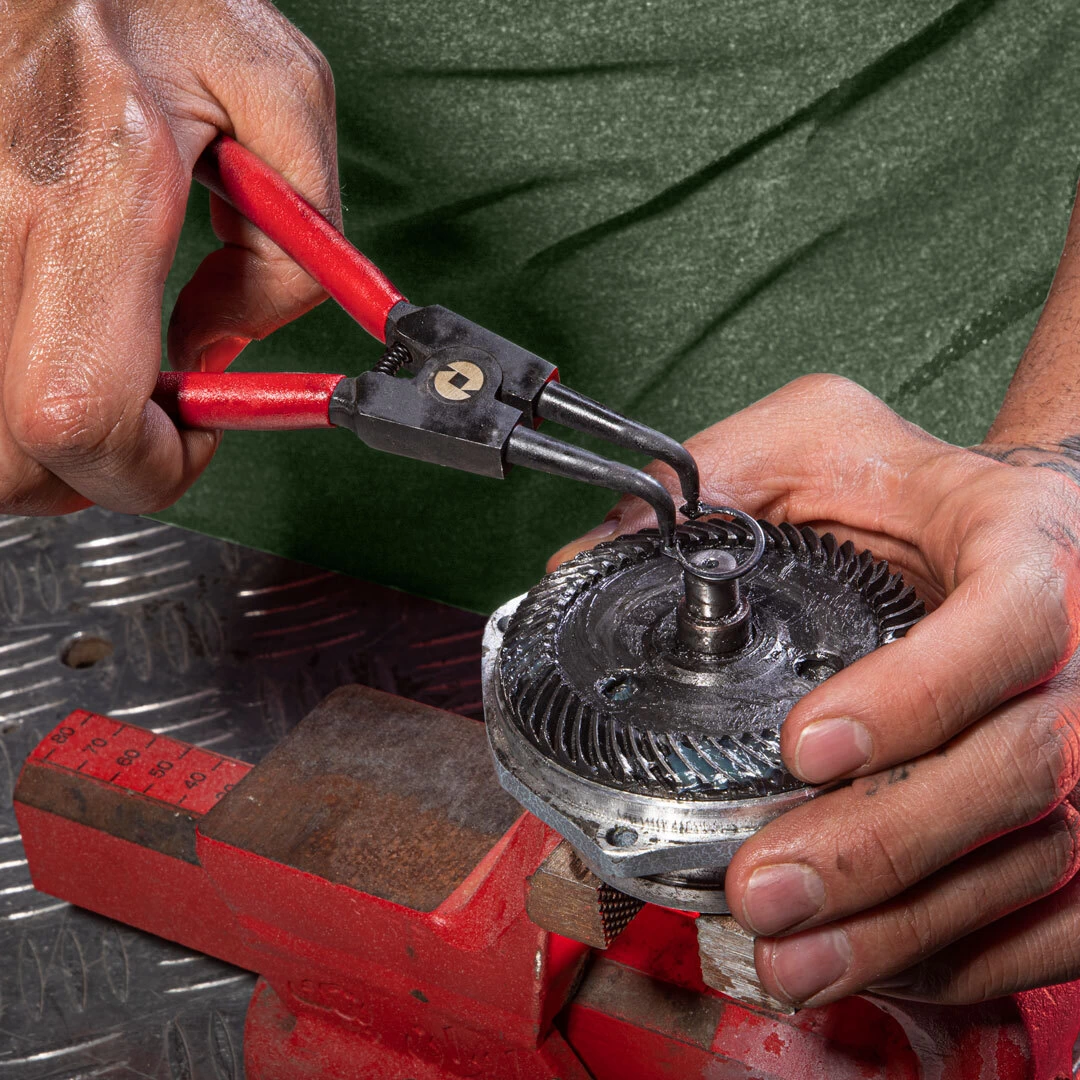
446,391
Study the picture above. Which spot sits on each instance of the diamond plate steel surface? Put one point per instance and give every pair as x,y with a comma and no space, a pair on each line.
222,647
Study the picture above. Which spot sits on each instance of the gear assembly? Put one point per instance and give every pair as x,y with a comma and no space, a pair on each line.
633,702
634,697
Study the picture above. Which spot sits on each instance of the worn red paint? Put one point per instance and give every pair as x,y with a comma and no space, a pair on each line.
773,1044
353,985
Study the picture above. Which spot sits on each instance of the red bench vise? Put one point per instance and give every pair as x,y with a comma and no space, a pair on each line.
407,921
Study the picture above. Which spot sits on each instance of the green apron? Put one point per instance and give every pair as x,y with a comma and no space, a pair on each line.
682,203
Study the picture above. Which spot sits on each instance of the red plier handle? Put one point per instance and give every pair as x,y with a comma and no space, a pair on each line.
266,199
268,401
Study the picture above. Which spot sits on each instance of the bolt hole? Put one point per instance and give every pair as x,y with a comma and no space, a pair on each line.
621,836
85,650
618,687
817,666
502,624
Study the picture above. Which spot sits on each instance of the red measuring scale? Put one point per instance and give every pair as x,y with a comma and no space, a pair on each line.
109,814
138,760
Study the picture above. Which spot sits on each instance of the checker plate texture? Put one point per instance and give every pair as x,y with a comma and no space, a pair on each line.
213,644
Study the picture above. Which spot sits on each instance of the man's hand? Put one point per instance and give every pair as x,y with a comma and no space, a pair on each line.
104,107
944,870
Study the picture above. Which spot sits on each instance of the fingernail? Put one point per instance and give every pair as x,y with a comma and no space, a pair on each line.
896,984
780,896
829,748
804,966
604,531
221,354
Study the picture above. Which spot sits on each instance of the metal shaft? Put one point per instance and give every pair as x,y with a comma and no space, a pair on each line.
713,618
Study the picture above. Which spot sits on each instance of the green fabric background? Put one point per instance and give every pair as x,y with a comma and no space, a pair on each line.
682,203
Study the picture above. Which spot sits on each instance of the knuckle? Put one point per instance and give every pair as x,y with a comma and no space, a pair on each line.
132,175
140,128
1048,757
320,77
63,425
1051,599
1061,855
1049,487
945,983
940,707
837,400
1039,628
891,864
135,133
311,71
822,386
159,180
916,933
1067,731
990,976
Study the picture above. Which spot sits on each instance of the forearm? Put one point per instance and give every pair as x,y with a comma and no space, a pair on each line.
1042,405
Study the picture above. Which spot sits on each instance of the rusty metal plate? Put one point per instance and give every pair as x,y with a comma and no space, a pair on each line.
374,792
225,648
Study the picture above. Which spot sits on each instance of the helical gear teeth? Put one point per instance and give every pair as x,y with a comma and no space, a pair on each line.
795,539
597,743
847,560
812,541
877,579
773,536
830,547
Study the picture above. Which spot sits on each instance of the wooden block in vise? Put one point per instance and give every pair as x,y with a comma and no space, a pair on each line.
566,897
727,963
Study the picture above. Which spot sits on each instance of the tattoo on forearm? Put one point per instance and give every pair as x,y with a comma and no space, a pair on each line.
1064,458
